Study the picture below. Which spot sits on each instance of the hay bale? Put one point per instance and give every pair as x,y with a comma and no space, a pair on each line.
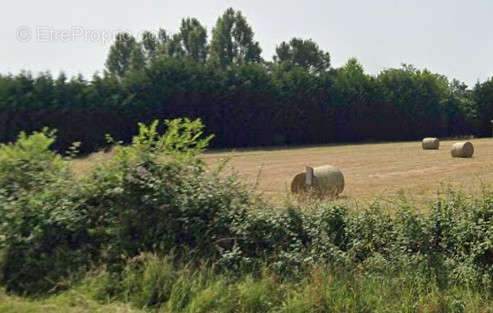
298,185
463,149
326,180
431,144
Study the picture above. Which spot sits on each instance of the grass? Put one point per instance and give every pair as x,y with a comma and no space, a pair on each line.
68,302
387,171
320,290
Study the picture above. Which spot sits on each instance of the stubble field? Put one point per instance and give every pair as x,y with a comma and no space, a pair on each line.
383,171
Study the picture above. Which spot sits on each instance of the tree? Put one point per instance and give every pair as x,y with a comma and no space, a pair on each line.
301,115
459,109
232,41
194,39
125,54
483,96
174,47
190,41
151,46
419,97
358,115
304,53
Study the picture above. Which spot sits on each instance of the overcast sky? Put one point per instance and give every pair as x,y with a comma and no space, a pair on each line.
451,37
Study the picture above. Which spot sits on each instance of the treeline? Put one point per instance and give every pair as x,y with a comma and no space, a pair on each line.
296,98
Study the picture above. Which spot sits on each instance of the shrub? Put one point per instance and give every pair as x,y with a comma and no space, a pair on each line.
41,228
156,197
28,163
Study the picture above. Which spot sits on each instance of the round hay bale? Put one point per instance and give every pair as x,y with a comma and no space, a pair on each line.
327,180
431,144
463,149
298,184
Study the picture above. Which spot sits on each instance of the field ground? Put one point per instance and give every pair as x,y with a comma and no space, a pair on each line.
384,171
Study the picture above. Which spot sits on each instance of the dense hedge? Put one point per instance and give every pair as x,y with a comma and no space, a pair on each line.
298,98
248,105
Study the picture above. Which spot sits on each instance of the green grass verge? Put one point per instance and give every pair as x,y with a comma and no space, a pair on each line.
68,302
156,285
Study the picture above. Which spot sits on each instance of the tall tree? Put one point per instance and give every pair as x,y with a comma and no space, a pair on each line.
459,110
418,96
357,114
190,41
125,54
151,46
174,47
483,96
304,53
194,39
232,41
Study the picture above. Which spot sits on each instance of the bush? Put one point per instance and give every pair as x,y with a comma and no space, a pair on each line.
156,196
42,229
28,163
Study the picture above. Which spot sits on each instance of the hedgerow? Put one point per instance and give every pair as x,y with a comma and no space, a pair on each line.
157,196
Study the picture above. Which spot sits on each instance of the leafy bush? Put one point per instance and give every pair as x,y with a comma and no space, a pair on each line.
156,196
41,229
28,163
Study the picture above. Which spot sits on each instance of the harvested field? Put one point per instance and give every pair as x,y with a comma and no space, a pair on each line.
370,170
385,171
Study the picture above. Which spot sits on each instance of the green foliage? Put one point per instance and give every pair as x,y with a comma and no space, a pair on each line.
181,139
28,163
158,283
232,41
125,55
44,239
194,38
427,91
483,97
303,53
296,99
155,196
40,227
165,233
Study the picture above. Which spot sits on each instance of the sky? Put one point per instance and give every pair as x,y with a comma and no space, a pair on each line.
450,37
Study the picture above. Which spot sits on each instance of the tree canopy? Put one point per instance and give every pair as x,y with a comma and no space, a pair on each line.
297,98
